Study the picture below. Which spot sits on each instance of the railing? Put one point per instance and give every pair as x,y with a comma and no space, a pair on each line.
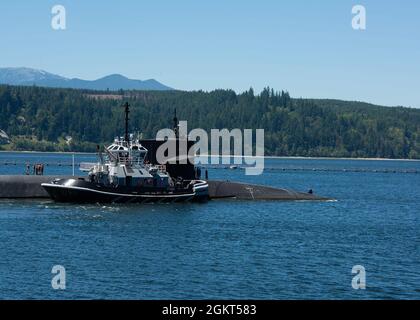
86,166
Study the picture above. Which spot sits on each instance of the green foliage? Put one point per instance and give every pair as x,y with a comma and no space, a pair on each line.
40,118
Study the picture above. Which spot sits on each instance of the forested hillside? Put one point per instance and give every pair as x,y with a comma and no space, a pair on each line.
42,119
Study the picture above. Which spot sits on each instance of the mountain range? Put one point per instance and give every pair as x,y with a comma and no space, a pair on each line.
41,78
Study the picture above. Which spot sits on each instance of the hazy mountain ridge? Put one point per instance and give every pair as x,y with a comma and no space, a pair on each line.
41,78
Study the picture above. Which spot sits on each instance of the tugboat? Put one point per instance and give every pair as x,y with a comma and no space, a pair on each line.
123,176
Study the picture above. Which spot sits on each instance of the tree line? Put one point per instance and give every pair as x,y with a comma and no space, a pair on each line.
45,118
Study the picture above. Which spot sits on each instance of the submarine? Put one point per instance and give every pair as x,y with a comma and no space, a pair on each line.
130,172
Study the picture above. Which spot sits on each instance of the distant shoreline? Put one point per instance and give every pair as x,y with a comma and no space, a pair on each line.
265,157
57,152
335,158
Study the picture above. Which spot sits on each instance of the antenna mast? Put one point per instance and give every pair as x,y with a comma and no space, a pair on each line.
176,125
127,111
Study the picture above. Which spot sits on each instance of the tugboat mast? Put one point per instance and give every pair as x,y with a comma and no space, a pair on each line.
176,125
127,111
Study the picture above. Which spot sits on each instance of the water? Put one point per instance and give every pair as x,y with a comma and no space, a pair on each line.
222,249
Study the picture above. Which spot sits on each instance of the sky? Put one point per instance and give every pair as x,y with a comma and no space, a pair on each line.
308,48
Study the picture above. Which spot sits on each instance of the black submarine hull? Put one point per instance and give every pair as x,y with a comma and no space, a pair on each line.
29,187
82,191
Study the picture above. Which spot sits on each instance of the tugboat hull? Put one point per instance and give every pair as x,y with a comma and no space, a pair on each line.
81,191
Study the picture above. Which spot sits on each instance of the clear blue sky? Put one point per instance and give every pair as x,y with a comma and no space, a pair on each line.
305,47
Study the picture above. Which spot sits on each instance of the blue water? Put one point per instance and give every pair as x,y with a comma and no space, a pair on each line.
222,249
